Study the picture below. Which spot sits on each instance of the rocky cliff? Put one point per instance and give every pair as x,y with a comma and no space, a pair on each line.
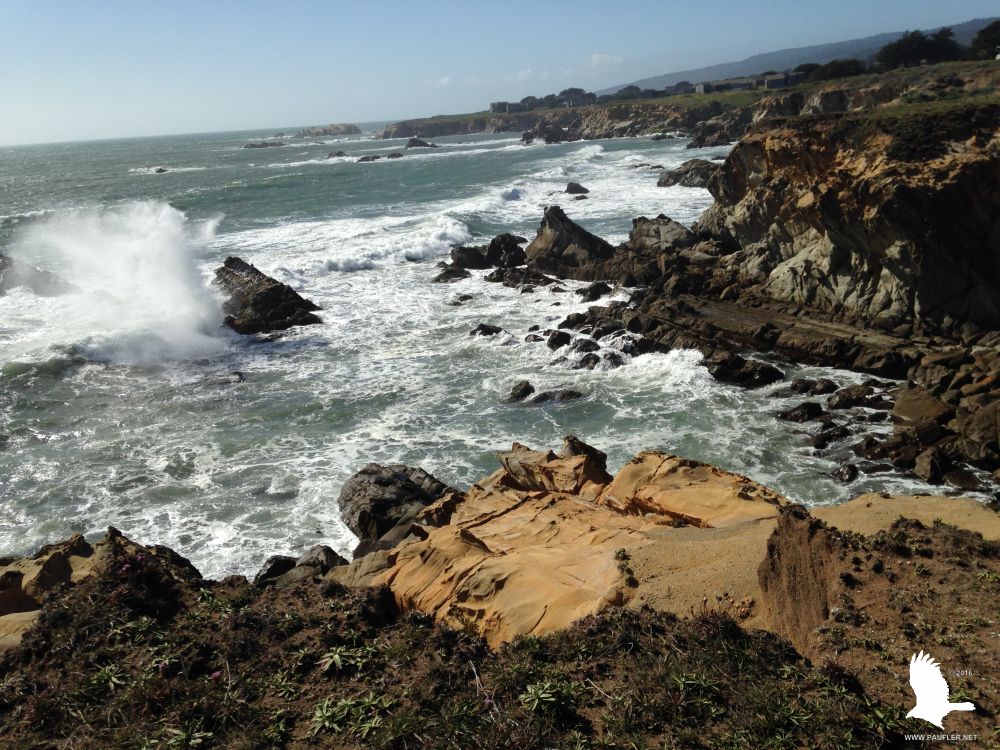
867,241
646,591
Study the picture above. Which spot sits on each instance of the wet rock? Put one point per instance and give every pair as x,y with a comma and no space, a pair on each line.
458,300
851,396
729,367
264,144
804,412
370,158
485,329
258,303
585,345
336,154
564,394
450,274
418,143
558,339
692,173
845,473
518,277
575,188
394,155
505,251
831,435
470,257
593,292
160,170
588,362
521,390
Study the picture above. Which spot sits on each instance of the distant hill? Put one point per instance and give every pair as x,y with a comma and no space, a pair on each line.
789,58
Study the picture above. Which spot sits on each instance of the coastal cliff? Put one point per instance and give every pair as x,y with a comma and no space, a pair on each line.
674,584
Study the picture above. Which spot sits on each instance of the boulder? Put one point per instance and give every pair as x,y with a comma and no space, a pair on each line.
161,170
450,274
258,303
485,329
417,143
394,155
370,158
521,390
564,248
336,154
274,566
729,367
593,292
378,497
264,144
805,412
505,251
692,173
575,188
852,395
470,257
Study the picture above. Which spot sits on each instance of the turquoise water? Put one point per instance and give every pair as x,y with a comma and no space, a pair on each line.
119,404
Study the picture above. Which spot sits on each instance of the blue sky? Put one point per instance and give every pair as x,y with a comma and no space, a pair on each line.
75,70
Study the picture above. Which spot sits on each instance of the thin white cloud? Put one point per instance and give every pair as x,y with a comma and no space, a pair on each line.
600,60
444,81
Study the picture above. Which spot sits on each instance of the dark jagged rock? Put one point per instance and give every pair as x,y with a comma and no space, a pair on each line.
593,292
521,390
575,188
565,394
485,329
264,144
692,173
729,367
370,158
852,395
394,155
336,154
418,143
558,339
451,273
565,248
505,251
377,498
516,277
160,170
805,412
470,257
258,303
15,274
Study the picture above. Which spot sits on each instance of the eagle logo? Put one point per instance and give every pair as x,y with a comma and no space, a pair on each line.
931,690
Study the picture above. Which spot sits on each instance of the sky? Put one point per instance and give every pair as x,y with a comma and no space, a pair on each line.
82,69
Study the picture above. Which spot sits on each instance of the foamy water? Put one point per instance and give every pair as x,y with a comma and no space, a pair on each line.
120,404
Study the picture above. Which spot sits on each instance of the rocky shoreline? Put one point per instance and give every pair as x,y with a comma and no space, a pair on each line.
552,604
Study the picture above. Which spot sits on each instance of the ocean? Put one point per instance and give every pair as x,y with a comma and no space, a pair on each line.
128,404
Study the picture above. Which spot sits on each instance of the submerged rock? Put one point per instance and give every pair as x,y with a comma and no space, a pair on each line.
418,143
258,303
264,144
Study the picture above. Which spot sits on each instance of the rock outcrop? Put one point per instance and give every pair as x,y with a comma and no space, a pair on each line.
334,130
264,144
257,303
692,173
536,545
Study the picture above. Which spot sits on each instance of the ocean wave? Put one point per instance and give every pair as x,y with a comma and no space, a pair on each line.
141,299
